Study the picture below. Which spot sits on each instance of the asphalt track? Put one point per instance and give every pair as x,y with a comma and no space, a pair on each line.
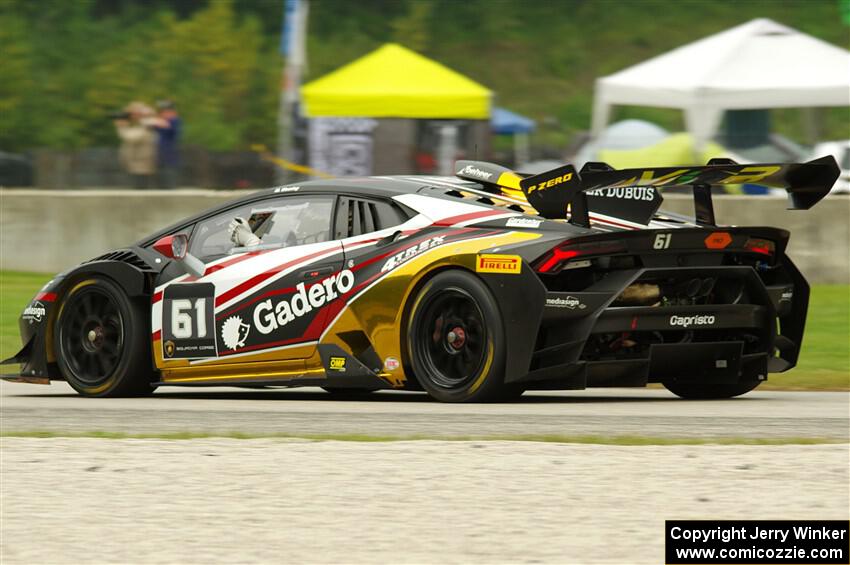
310,412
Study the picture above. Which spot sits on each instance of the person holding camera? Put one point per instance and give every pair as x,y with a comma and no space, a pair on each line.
138,148
167,126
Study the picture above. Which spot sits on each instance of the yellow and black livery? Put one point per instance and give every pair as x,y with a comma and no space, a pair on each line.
472,289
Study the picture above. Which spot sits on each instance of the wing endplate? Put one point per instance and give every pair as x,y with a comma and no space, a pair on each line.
551,192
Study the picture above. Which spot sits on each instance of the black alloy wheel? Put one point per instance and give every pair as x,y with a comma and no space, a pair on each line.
455,339
92,337
102,347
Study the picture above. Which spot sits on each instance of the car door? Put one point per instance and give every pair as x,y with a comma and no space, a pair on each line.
259,303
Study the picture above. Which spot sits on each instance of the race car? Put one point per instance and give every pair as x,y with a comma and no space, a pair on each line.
472,288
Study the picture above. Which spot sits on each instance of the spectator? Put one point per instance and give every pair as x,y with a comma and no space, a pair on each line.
168,153
138,144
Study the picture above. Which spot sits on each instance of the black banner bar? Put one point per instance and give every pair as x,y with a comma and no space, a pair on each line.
744,542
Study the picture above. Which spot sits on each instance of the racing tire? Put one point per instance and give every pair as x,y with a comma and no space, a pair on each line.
101,338
456,340
704,391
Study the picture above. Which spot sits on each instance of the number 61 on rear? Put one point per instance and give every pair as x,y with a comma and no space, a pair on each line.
662,241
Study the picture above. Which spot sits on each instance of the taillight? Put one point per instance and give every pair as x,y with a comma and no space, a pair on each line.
559,256
718,240
762,246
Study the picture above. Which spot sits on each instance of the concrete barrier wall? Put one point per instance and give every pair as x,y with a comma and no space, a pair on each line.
49,231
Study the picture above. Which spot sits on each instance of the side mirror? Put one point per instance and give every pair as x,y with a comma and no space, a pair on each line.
177,247
173,246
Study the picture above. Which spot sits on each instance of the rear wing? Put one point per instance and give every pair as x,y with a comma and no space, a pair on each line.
633,193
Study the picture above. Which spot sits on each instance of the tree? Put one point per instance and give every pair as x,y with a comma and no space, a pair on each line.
16,84
412,29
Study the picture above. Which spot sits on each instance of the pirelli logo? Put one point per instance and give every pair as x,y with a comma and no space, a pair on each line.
505,264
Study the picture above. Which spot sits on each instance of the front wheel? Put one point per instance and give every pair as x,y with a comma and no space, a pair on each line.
708,391
455,339
101,341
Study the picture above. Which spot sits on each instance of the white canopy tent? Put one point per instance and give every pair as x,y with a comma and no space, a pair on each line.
756,65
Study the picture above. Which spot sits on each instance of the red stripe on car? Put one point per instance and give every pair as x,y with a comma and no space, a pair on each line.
257,279
466,217
235,260
244,305
611,222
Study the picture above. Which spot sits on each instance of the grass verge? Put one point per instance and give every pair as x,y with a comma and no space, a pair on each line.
16,291
824,361
543,438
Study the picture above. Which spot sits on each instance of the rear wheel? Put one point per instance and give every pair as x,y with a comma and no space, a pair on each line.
455,340
101,341
707,391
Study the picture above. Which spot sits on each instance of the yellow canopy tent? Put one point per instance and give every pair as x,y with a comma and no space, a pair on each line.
395,82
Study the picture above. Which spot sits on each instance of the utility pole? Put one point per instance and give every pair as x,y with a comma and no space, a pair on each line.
294,50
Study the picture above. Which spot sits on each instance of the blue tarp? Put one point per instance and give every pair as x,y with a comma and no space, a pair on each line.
506,122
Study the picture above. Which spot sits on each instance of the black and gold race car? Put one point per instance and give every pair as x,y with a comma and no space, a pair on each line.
473,288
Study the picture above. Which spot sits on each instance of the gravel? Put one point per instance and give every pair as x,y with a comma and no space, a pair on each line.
83,500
